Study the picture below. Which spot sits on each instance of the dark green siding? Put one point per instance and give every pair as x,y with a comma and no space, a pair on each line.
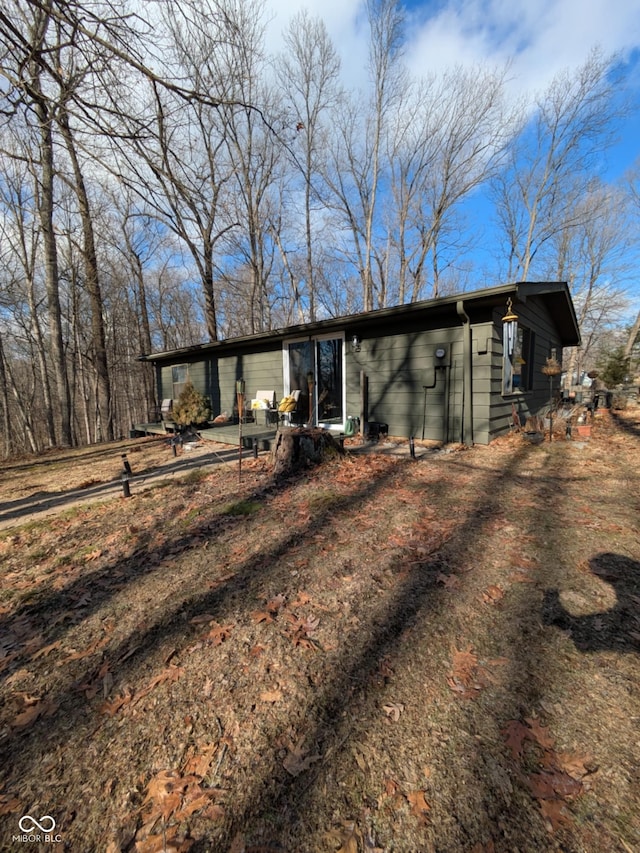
398,366
534,315
216,377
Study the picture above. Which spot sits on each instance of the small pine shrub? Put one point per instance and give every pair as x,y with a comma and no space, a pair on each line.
191,408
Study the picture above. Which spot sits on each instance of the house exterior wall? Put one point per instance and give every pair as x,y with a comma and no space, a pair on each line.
495,413
398,364
216,377
409,388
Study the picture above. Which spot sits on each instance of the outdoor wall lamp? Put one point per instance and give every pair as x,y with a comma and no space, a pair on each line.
355,344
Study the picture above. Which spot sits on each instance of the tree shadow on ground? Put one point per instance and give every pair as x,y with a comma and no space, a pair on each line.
288,800
326,725
616,629
47,502
632,428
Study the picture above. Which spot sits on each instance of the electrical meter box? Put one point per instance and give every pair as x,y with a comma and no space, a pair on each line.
441,355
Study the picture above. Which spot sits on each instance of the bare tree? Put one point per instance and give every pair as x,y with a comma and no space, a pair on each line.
633,189
358,150
447,140
24,64
552,162
591,253
21,256
308,74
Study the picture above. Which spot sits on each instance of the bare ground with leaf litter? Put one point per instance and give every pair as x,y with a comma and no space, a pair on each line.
380,654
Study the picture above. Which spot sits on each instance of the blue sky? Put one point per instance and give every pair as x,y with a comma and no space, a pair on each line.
538,38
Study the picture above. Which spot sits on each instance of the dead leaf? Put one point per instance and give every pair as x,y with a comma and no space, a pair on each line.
300,631
393,711
391,792
257,650
464,677
554,785
521,577
112,708
276,603
199,765
515,734
419,806
492,595
271,696
93,555
43,652
574,765
555,814
449,581
301,599
202,618
298,760
90,650
259,616
539,733
218,634
349,838
29,716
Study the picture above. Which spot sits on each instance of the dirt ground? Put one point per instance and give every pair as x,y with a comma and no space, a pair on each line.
380,654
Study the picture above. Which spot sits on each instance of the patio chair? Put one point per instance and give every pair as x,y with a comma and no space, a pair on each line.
265,401
288,410
166,415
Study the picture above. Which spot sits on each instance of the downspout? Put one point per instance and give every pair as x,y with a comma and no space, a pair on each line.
467,411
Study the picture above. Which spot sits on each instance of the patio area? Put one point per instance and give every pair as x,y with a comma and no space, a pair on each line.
228,433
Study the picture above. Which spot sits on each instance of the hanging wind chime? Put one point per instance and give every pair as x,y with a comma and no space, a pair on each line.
509,338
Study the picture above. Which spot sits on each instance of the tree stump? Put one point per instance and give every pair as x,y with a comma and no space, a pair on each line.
301,447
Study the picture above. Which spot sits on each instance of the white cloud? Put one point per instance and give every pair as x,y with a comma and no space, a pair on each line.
344,22
538,37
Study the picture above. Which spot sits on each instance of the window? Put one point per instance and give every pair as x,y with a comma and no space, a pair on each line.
518,352
179,378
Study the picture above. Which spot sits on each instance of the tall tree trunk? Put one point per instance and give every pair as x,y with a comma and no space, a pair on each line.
45,210
23,414
42,365
92,280
4,402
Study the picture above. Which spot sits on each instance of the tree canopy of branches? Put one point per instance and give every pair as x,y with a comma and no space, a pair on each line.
163,180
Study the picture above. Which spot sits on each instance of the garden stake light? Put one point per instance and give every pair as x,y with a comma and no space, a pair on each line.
240,386
126,491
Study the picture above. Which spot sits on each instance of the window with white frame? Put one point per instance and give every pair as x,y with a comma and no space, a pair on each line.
179,378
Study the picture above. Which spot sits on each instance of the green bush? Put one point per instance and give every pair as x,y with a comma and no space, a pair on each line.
615,368
191,408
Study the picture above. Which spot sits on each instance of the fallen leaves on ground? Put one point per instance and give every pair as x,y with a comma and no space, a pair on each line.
560,775
162,659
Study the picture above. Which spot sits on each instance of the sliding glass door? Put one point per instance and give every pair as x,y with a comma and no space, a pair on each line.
315,367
